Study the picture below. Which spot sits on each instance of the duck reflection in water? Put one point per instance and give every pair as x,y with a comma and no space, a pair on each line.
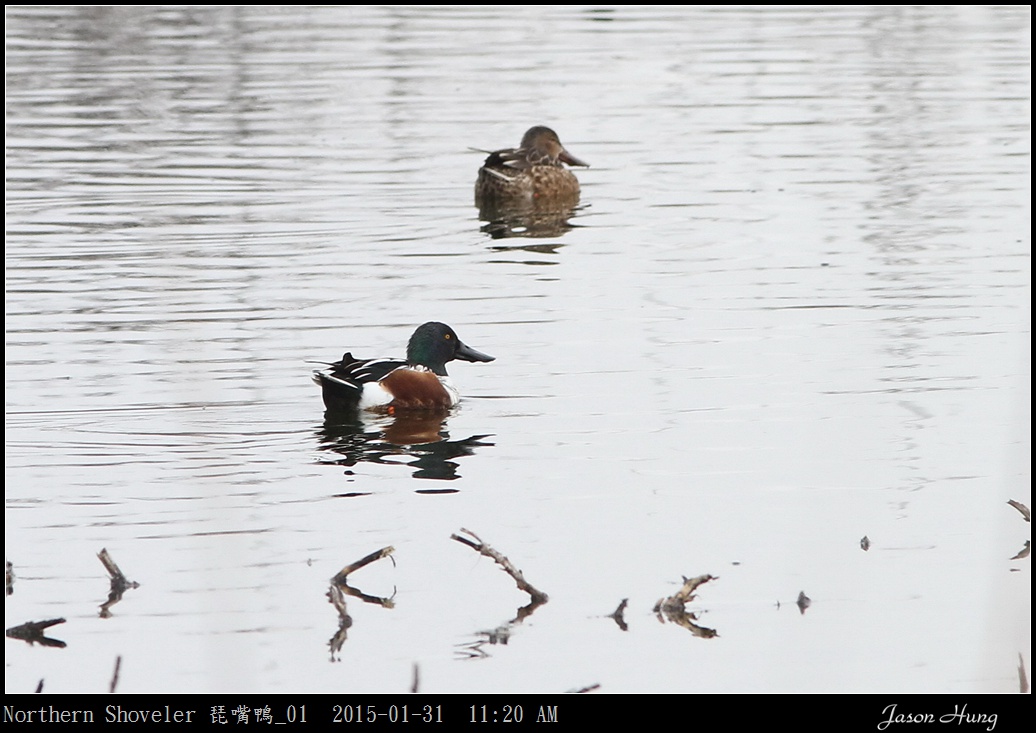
527,191
418,439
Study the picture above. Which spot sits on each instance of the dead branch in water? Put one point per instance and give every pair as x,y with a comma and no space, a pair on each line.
340,581
673,608
337,598
340,588
538,597
33,632
119,582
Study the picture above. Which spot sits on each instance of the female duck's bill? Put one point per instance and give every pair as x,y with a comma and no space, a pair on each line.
419,382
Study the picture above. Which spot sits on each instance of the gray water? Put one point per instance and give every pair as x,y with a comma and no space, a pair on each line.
791,311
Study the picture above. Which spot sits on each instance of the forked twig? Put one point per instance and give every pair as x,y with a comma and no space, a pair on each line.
617,615
33,632
340,588
363,562
119,582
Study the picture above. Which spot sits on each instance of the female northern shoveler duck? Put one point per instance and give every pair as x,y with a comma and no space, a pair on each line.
531,171
418,383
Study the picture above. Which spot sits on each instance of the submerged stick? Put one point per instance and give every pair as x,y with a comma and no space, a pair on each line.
482,548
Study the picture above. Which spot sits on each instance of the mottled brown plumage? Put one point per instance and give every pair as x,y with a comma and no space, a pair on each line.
534,171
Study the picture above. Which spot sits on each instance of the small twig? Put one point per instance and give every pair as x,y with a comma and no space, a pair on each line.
803,602
538,597
416,680
616,615
115,674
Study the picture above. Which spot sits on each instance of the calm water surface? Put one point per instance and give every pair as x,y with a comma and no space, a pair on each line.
792,310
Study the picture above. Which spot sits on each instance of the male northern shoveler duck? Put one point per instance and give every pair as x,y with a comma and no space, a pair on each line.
419,382
531,171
